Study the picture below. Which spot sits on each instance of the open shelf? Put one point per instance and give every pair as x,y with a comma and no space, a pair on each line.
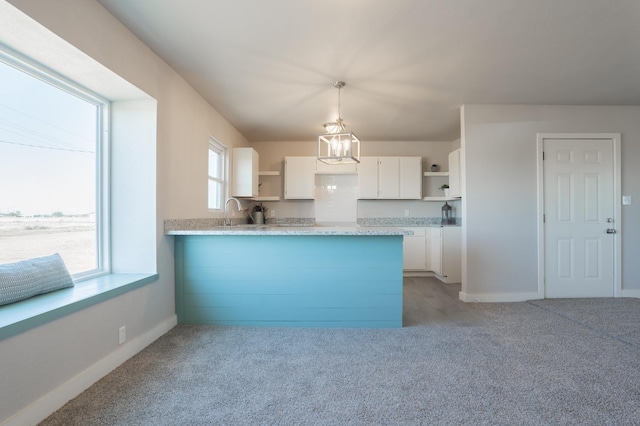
268,197
440,198
436,173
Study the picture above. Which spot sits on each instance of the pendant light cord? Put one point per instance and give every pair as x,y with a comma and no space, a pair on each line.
339,102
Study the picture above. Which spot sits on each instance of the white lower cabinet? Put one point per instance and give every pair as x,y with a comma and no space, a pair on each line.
414,249
445,257
434,249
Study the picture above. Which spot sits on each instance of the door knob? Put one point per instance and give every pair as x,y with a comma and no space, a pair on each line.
611,231
609,220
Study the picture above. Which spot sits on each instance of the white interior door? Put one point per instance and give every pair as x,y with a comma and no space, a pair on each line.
579,212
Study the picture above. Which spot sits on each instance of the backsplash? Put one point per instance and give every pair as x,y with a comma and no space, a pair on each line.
336,199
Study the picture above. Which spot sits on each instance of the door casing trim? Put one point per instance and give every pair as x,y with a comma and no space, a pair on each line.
617,204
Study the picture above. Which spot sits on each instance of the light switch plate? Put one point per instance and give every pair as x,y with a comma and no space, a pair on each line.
626,200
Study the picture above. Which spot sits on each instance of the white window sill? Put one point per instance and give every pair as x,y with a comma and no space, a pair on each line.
21,316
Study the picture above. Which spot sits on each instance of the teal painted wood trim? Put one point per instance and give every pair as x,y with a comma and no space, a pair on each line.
286,313
291,285
331,281
311,324
306,301
179,270
29,313
235,271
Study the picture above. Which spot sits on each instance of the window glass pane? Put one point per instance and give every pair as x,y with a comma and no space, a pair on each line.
215,195
48,141
217,159
214,163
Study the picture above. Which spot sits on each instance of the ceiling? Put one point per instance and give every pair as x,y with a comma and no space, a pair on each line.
269,66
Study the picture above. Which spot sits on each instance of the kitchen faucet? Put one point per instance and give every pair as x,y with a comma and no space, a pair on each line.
227,220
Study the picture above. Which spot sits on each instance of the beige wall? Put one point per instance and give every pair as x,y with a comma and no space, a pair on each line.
499,146
83,41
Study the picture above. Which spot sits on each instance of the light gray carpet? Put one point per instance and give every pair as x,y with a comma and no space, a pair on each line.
544,362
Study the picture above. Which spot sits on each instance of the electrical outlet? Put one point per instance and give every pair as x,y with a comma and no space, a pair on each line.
273,213
626,200
122,335
406,212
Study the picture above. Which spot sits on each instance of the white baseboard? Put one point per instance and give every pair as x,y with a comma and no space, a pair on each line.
499,297
630,293
45,406
523,297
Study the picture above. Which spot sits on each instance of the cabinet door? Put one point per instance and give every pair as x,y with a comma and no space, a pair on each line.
368,178
428,250
436,250
452,254
299,178
245,172
414,251
454,174
411,178
389,177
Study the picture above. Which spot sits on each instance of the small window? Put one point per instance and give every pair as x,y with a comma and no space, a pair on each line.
51,161
217,162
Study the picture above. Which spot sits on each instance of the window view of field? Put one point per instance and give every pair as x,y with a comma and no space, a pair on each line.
48,140
26,237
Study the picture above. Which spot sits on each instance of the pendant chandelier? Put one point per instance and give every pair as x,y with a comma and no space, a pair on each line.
337,145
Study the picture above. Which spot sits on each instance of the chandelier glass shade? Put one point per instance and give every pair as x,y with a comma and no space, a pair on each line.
337,145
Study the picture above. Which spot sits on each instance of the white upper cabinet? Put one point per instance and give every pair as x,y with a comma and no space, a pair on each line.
411,178
368,178
390,178
245,168
299,178
336,169
455,189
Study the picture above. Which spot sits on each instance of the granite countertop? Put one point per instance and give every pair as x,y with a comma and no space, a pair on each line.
301,226
409,222
290,230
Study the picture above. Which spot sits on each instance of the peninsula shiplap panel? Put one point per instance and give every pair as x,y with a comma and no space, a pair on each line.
331,281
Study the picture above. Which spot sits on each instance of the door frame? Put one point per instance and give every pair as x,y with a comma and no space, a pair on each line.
617,204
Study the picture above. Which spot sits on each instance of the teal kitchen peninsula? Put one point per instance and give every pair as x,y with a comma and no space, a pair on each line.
289,276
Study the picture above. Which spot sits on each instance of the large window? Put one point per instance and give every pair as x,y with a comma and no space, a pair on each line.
217,161
52,165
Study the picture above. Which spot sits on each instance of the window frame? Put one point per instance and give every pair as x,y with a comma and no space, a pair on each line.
102,156
223,180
